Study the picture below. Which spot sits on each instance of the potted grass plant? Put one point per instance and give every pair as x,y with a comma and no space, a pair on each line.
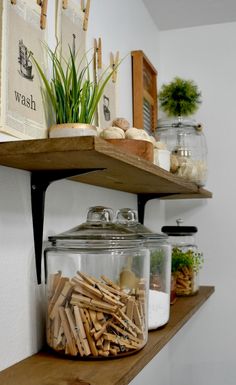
70,96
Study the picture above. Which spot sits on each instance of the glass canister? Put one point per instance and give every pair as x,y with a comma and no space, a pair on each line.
186,258
187,143
160,267
97,289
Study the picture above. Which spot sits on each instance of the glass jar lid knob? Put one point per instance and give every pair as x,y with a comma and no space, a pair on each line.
179,221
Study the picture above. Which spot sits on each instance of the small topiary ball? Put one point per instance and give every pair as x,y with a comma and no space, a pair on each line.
180,97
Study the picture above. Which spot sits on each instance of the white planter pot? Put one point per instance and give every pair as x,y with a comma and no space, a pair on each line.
72,129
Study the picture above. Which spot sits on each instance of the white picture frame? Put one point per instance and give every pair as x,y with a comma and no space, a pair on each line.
22,112
108,103
70,32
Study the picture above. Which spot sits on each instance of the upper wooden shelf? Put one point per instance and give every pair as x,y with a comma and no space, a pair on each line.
107,166
48,369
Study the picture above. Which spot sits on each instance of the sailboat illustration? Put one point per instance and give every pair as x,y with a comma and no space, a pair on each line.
25,64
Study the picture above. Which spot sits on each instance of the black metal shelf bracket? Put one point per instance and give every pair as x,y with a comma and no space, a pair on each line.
40,180
143,199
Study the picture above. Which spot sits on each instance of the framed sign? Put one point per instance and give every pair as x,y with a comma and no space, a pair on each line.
22,112
144,81
107,104
70,30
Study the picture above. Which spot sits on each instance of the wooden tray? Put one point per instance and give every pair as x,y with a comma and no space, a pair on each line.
141,148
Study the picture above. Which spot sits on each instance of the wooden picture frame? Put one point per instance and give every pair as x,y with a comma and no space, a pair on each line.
144,87
22,31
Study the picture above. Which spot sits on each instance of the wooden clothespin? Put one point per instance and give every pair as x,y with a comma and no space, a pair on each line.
85,9
43,18
95,47
13,1
64,4
114,61
98,53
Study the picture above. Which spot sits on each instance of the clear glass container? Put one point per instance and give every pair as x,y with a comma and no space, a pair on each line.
97,278
186,258
160,267
187,144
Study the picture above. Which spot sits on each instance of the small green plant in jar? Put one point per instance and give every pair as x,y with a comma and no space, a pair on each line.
185,268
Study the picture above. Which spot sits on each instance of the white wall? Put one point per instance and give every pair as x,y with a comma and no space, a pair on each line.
203,353
123,26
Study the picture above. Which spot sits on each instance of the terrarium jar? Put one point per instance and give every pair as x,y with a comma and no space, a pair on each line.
186,258
160,267
187,143
97,289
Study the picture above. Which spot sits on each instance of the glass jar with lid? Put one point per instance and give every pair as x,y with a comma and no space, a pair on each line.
186,258
97,278
160,267
187,143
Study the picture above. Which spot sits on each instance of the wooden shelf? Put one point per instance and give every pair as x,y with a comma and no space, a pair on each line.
47,369
106,165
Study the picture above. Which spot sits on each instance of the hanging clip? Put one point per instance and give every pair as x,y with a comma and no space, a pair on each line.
85,9
64,4
13,1
39,2
98,53
114,61
95,52
43,18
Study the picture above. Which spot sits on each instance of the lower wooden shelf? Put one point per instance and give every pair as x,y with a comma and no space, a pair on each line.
47,369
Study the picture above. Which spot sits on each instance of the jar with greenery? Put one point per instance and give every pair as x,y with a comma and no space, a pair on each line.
187,260
183,136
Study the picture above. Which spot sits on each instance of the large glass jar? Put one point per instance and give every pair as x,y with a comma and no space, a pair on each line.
187,144
186,258
160,267
97,289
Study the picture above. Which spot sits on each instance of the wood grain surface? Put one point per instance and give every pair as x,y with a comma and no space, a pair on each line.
117,169
47,369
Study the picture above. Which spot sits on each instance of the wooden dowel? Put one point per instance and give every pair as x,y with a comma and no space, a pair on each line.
91,342
63,297
64,4
61,342
52,283
81,331
130,308
110,283
125,333
99,53
60,284
125,325
101,331
137,317
93,316
88,289
131,324
66,328
120,341
43,18
56,328
73,331
86,15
